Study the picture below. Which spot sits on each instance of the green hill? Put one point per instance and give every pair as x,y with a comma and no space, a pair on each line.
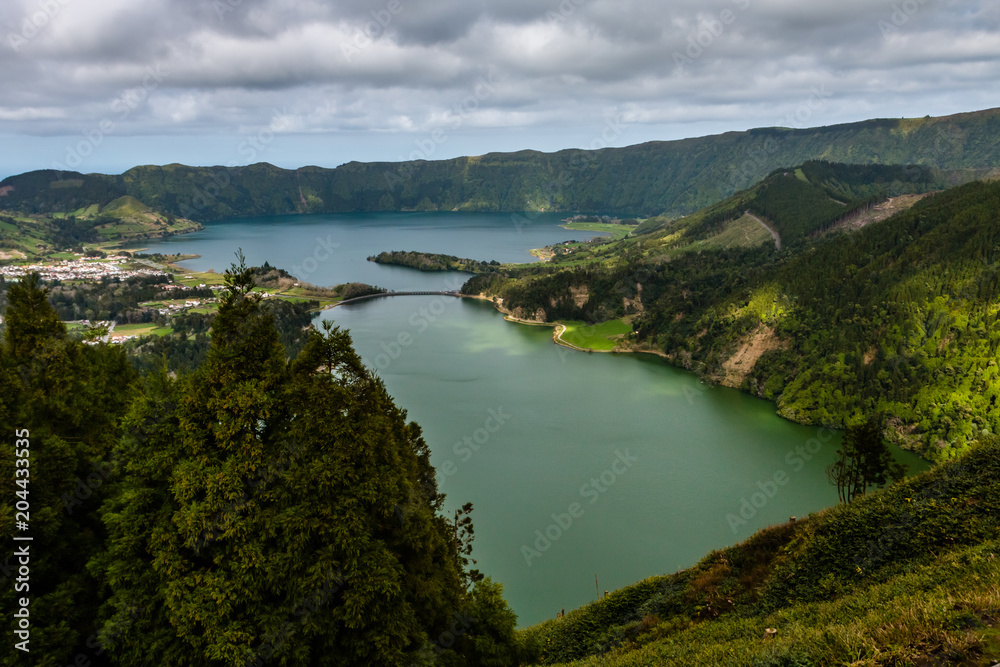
661,177
24,236
904,576
127,207
898,317
799,203
49,191
48,210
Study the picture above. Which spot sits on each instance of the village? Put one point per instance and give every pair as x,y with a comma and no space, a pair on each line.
168,308
116,266
180,293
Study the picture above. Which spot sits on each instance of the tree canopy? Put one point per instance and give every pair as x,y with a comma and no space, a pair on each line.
258,515
68,397
258,510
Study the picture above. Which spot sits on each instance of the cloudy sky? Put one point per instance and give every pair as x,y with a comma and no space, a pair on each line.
103,85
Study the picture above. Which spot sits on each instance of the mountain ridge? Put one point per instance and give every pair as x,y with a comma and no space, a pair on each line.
674,177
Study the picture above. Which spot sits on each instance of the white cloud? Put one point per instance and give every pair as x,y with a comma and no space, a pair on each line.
30,113
559,66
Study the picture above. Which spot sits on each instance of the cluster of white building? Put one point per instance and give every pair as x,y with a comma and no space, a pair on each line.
79,269
181,307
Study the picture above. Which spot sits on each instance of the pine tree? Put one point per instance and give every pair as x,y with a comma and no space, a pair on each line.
275,513
69,398
863,461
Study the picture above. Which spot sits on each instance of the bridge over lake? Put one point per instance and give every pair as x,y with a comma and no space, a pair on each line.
387,294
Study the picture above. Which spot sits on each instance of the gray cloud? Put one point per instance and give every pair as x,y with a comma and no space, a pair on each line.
222,67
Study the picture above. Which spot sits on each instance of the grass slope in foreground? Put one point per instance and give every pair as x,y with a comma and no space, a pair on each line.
905,576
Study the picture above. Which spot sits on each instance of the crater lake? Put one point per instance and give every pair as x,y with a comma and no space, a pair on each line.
580,466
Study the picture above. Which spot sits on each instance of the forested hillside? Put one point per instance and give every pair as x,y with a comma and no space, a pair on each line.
664,177
897,318
799,203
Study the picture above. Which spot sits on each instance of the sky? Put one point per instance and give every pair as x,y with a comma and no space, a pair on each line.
104,85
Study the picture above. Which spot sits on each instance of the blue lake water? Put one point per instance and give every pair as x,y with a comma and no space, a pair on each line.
578,464
333,249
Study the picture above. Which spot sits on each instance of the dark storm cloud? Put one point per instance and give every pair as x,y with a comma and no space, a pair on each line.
219,66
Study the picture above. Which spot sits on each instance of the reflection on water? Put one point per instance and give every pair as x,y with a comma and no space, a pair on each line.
614,465
578,465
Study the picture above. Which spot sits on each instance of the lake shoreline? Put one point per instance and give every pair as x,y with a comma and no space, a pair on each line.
559,329
569,415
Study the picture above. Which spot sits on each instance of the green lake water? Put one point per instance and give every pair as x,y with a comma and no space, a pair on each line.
578,464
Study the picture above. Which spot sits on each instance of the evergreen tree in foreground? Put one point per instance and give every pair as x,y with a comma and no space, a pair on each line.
68,398
257,520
